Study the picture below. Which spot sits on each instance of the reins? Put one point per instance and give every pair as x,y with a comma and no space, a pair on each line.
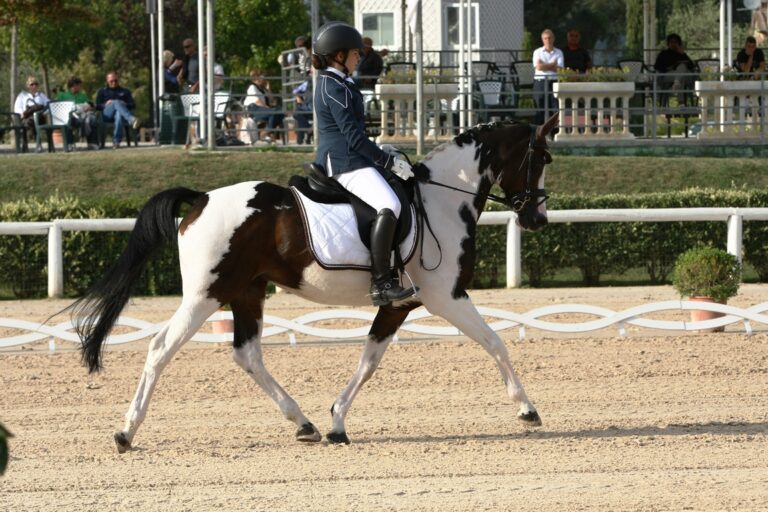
517,202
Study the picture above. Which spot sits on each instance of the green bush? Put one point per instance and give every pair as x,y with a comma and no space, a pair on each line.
707,272
594,249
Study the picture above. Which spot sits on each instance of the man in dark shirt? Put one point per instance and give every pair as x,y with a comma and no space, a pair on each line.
115,104
576,57
751,59
675,67
370,67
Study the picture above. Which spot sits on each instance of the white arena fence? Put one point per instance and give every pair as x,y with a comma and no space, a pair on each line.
275,326
734,217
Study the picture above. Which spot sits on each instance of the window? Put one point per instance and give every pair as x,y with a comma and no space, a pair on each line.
381,28
452,24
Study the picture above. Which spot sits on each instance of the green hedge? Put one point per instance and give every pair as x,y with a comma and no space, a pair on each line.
595,249
599,248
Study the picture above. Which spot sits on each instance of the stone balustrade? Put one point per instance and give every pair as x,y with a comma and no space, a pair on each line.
593,110
733,109
398,124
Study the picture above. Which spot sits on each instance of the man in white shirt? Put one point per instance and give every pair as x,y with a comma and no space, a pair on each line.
546,61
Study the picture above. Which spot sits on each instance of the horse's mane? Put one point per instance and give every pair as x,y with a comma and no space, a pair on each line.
472,136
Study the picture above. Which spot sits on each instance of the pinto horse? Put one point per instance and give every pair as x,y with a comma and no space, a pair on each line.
235,240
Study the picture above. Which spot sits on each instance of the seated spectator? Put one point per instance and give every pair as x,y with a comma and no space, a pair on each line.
116,104
574,56
750,60
260,104
370,66
673,64
218,72
27,103
83,119
171,64
302,114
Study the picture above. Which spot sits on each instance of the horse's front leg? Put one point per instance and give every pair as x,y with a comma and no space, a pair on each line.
462,314
384,327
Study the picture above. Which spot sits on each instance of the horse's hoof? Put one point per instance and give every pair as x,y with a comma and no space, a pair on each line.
337,437
308,433
122,442
531,418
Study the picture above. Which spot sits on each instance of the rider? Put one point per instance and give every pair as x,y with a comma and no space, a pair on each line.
349,156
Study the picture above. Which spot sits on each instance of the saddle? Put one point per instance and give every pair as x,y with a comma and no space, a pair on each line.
320,188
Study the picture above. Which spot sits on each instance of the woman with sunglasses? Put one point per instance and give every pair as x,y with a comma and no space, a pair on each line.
28,102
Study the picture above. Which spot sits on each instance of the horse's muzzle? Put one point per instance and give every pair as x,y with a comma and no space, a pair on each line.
532,220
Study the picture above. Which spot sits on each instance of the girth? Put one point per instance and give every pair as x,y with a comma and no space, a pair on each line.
322,189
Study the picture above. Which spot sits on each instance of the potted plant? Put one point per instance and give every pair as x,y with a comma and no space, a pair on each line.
223,325
706,274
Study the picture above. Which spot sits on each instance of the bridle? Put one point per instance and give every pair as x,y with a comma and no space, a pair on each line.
518,201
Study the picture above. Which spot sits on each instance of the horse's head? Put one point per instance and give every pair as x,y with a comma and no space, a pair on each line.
513,156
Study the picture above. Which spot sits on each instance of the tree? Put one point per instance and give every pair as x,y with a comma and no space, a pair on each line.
634,26
594,19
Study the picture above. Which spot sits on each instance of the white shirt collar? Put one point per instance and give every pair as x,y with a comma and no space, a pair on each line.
339,73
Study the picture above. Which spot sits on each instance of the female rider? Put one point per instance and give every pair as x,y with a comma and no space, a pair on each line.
349,156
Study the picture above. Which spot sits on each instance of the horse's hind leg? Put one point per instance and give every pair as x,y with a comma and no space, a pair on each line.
182,326
247,312
384,327
462,314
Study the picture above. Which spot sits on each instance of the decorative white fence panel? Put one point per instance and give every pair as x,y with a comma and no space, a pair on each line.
275,326
733,216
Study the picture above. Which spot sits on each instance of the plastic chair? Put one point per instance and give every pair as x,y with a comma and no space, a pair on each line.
522,71
11,121
492,100
708,65
55,117
400,68
638,71
188,112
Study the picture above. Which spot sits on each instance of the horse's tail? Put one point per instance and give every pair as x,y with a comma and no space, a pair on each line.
96,312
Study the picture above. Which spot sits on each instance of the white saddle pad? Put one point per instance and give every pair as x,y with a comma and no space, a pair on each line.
333,236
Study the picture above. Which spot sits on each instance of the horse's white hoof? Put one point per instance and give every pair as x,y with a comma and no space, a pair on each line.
308,433
531,418
122,442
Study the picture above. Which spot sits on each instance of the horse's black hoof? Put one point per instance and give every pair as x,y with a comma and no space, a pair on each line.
308,433
122,442
337,438
531,418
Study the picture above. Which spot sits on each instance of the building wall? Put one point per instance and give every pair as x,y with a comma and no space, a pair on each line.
501,22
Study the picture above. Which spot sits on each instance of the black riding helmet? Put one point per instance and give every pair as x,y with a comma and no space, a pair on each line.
335,36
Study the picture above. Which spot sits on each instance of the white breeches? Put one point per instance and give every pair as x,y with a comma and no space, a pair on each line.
371,187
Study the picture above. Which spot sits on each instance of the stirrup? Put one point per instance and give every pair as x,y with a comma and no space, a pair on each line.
390,291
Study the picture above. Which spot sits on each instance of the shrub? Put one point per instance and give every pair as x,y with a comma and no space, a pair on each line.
707,272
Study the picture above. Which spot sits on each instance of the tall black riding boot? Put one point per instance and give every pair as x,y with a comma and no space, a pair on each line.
385,286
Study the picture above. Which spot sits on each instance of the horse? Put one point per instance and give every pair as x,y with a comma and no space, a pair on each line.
235,240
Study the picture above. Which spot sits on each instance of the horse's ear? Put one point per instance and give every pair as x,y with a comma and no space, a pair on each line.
549,125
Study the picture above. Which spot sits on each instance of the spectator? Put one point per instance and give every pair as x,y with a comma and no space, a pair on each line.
27,103
370,67
218,72
83,119
546,61
189,75
673,64
302,114
574,56
116,104
260,104
750,60
171,64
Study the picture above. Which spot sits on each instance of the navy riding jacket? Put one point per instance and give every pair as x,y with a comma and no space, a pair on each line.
343,145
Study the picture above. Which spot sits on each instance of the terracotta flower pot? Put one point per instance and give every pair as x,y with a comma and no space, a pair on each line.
223,326
698,315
